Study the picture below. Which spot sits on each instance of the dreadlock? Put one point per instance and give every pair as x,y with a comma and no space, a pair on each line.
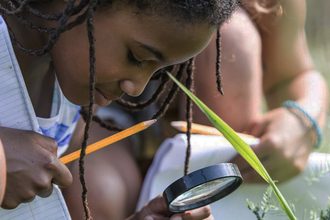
190,86
218,62
90,28
214,12
171,95
142,105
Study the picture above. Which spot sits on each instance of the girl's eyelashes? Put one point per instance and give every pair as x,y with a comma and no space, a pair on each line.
133,60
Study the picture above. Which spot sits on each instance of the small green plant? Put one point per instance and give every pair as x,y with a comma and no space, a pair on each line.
240,146
267,204
325,215
261,210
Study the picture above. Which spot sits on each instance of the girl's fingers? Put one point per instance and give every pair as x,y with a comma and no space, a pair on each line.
156,209
264,150
210,218
196,214
158,205
279,172
243,164
251,176
155,218
256,129
203,213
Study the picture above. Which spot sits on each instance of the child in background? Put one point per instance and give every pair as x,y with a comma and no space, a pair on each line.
264,54
117,52
271,63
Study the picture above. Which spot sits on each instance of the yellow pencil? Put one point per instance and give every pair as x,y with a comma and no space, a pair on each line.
109,140
201,129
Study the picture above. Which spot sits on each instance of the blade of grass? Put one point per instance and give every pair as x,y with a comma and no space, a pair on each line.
241,147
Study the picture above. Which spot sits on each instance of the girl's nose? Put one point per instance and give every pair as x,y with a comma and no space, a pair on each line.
134,88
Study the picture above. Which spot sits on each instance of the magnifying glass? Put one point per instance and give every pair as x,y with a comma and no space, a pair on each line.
202,187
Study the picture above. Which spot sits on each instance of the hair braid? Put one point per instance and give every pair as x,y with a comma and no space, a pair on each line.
171,95
189,113
14,10
218,62
33,26
159,73
54,36
39,14
154,97
91,39
80,19
110,126
76,9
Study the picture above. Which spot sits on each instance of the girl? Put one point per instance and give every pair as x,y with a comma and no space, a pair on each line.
124,43
264,54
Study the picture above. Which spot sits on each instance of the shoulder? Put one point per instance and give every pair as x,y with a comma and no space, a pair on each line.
273,14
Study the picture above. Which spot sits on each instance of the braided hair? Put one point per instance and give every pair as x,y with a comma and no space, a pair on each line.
212,12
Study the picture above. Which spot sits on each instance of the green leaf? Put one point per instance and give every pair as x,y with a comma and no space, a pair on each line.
241,147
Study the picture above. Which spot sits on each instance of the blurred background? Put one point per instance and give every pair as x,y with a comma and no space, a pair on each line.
318,36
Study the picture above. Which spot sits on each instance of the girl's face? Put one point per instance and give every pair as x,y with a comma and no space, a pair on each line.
129,49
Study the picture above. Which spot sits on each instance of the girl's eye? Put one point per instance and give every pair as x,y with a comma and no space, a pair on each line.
132,59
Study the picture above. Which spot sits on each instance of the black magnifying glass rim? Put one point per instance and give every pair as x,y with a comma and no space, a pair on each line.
199,177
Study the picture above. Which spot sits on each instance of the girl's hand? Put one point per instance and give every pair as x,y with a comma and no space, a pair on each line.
285,144
32,166
156,210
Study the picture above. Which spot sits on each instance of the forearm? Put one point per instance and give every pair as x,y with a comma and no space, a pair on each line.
241,71
308,89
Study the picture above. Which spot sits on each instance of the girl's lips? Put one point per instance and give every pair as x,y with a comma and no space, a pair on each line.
100,98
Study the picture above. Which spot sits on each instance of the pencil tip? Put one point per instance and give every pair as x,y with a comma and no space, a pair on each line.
150,122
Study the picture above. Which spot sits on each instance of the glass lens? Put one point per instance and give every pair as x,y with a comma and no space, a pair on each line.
203,192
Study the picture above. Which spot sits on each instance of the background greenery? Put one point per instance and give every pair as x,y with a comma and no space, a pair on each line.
318,36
